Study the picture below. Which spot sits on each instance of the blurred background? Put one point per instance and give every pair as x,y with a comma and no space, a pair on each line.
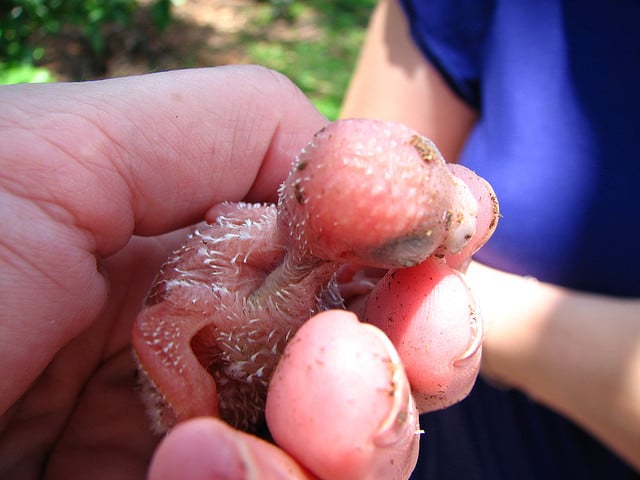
313,42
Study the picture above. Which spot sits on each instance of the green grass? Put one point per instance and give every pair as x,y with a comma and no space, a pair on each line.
321,65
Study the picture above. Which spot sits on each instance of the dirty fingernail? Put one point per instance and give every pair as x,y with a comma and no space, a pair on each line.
475,340
400,423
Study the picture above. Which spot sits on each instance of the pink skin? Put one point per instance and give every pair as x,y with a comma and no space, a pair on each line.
364,193
451,348
150,155
344,441
402,302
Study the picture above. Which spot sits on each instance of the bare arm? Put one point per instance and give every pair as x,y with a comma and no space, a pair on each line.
392,81
577,353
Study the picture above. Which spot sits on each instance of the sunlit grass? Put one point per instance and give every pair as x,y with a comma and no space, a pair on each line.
321,62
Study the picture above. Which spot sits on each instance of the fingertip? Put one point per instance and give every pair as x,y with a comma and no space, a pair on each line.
488,214
430,316
340,403
198,449
208,448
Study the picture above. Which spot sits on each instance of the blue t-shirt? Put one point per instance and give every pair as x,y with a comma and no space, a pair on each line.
557,87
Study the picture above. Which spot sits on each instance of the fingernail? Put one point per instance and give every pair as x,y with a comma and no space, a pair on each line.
400,424
475,340
464,214
230,461
202,449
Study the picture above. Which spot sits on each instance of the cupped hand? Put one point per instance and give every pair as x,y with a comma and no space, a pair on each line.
98,179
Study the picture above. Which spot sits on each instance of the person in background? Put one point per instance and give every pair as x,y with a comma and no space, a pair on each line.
542,100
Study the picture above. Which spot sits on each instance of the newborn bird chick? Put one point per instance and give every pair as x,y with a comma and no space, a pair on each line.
221,310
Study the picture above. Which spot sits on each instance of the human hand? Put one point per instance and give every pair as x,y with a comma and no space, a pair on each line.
576,352
96,179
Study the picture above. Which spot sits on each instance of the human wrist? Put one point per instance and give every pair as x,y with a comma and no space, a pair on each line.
514,309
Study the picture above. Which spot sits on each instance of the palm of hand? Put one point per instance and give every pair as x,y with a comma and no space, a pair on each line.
78,179
82,418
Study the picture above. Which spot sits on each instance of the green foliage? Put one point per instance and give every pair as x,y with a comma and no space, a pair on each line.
161,13
24,73
313,42
20,20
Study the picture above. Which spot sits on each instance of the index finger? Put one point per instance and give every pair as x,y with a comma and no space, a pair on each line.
149,154
85,166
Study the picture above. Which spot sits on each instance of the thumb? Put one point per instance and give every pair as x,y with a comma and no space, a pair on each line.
208,448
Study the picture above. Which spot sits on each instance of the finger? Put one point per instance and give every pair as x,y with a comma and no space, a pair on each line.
151,153
86,165
430,316
206,448
487,219
339,401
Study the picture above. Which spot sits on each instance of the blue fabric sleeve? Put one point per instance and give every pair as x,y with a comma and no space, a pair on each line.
451,35
556,84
